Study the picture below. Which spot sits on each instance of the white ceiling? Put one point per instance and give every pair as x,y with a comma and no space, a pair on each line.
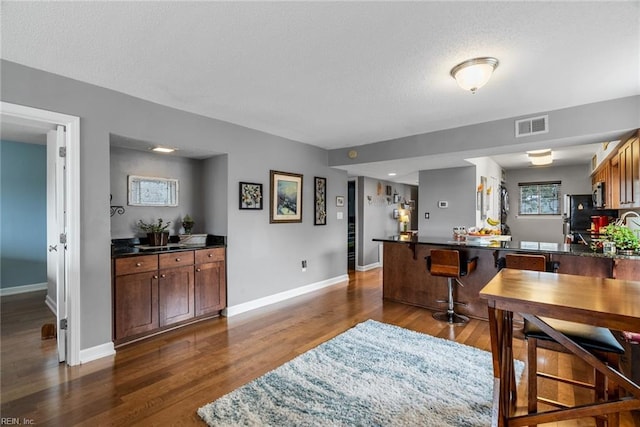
336,74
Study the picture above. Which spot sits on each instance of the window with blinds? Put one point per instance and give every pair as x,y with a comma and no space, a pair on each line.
539,198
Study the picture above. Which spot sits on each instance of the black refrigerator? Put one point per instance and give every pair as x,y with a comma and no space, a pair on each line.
577,212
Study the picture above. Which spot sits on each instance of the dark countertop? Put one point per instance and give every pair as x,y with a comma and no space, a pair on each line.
508,246
138,246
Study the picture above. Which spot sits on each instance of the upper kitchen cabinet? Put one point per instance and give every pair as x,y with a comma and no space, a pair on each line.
621,174
629,173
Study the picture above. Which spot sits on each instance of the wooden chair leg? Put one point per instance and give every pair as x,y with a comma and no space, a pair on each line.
612,391
600,394
532,375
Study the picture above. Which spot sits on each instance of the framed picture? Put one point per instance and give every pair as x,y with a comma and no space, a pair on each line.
339,200
286,197
396,214
320,201
250,195
152,191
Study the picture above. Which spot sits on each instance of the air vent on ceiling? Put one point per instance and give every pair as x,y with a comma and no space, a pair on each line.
532,126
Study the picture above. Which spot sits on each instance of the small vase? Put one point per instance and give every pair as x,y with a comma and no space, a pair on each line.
188,226
158,239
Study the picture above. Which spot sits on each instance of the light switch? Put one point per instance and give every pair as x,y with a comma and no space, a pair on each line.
339,215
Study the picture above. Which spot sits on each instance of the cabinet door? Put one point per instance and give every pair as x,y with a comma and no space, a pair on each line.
175,294
622,172
210,288
136,304
635,171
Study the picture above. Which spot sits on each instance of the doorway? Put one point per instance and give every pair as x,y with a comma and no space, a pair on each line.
351,226
68,233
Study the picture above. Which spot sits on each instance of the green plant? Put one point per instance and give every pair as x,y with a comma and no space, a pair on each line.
187,223
154,227
622,237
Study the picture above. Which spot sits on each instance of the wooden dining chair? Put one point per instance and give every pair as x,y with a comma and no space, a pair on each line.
599,341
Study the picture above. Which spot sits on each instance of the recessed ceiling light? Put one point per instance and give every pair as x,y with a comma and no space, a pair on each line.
392,174
163,149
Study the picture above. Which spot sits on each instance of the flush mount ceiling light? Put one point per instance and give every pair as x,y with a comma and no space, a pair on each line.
474,73
163,149
540,157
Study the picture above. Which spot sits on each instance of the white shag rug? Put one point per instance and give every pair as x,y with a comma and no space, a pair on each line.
374,374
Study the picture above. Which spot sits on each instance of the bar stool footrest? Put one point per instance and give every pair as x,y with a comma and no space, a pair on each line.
452,318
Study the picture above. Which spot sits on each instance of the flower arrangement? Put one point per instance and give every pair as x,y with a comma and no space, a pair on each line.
154,227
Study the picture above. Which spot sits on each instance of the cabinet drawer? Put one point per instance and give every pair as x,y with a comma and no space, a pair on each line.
136,264
209,255
176,259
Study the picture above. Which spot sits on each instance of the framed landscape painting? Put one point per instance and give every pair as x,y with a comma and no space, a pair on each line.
250,195
320,202
286,197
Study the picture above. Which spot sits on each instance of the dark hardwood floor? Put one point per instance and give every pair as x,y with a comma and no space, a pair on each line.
165,379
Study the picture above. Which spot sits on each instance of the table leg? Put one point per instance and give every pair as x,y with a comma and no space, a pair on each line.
504,393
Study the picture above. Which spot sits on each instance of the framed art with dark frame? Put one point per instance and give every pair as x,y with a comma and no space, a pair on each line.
320,201
250,196
285,199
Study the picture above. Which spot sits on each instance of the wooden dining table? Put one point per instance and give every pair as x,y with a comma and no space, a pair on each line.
610,303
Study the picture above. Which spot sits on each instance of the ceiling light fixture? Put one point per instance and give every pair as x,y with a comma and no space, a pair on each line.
392,174
540,157
474,73
163,149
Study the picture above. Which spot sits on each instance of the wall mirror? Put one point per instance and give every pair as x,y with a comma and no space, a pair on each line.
151,191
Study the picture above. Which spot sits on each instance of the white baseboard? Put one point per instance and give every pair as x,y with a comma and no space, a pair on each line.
23,289
52,304
282,296
368,267
93,353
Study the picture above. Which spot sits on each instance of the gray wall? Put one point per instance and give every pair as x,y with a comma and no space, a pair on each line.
125,162
23,214
574,180
263,259
375,217
456,186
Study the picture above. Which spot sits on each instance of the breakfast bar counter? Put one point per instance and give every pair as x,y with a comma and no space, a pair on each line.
407,280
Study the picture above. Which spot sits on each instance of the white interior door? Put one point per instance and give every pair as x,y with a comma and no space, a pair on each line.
56,232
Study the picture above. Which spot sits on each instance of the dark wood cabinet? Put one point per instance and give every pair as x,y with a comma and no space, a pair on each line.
210,281
152,293
175,295
136,299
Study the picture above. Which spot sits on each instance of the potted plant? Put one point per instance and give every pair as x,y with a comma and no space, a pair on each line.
187,224
626,242
156,232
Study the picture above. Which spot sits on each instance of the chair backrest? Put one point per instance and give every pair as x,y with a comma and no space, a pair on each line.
526,262
445,262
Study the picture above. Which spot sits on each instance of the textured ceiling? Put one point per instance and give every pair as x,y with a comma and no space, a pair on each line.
335,74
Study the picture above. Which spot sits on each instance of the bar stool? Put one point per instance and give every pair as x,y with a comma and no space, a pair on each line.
449,263
599,341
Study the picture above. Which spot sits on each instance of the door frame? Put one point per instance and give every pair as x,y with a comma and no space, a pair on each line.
72,260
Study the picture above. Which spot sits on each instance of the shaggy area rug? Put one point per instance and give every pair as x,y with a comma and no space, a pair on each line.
374,374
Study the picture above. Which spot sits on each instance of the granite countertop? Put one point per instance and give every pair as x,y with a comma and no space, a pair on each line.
138,246
509,246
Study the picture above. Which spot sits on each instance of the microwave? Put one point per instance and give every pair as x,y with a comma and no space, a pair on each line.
599,195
